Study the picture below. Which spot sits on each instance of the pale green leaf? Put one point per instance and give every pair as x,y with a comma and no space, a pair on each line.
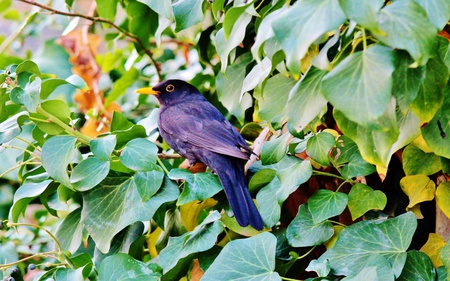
103,147
139,155
274,150
122,84
24,195
125,268
438,11
57,153
246,259
360,86
407,27
416,161
325,204
187,13
319,146
90,172
363,12
302,24
148,183
306,100
359,242
162,7
69,232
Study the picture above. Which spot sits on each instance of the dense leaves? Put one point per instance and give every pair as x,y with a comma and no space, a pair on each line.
344,102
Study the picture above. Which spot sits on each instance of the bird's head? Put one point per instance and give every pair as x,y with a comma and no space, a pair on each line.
171,91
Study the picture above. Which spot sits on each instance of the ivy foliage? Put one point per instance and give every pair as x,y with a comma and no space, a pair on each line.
330,94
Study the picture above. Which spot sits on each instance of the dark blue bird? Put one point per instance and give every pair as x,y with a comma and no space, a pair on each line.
200,133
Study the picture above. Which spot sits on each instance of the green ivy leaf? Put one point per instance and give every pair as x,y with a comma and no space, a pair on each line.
122,84
272,102
357,167
70,231
245,259
103,147
416,161
148,183
406,80
438,11
363,198
225,45
187,13
29,97
445,257
56,108
261,178
139,155
198,186
274,150
116,203
107,9
269,202
202,238
233,14
125,130
407,27
325,204
125,268
302,24
141,15
303,232
364,13
389,238
418,266
366,274
89,173
444,51
69,274
28,66
306,100
162,7
229,86
368,73
10,128
24,195
318,147
431,92
57,153
437,132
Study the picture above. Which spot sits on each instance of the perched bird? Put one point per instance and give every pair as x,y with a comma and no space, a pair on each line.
199,132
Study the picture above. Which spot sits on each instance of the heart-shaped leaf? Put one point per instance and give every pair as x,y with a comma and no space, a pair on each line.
325,204
363,198
419,188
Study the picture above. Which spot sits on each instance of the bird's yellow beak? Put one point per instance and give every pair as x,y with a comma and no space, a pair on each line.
147,91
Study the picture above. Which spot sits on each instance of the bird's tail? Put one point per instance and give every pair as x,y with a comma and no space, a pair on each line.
231,175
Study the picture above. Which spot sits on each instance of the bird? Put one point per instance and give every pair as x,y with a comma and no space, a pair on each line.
199,132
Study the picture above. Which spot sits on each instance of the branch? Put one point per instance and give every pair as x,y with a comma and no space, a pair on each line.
99,19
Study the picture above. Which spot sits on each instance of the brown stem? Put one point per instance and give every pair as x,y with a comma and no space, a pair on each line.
141,44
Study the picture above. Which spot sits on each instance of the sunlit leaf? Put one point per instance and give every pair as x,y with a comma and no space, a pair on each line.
162,7
419,188
363,12
191,212
400,22
303,23
306,100
443,197
187,13
274,150
438,11
246,259
433,248
364,80
319,146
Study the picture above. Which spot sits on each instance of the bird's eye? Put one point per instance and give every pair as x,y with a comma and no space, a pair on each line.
170,88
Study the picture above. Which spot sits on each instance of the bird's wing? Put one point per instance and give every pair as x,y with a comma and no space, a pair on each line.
204,126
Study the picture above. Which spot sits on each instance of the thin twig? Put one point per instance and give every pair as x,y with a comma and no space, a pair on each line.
138,40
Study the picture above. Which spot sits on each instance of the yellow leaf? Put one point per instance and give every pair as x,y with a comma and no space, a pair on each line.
151,239
190,212
433,248
416,210
382,172
443,197
419,188
420,143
